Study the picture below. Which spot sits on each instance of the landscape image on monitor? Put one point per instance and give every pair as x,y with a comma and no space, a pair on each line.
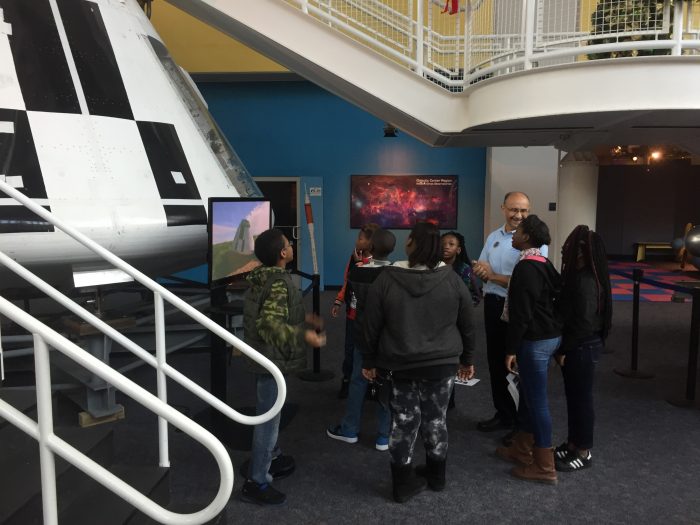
235,224
399,201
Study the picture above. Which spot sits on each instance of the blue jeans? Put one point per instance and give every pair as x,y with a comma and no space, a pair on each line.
349,347
533,363
265,435
350,425
578,372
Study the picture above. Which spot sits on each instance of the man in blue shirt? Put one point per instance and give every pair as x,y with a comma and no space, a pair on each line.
494,267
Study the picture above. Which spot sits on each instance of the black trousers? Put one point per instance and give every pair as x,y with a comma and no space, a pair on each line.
496,352
579,373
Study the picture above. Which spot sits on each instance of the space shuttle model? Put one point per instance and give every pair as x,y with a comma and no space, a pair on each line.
101,127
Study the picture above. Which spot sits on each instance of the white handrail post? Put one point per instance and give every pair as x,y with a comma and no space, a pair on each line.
529,31
467,42
45,424
677,28
419,37
305,6
162,385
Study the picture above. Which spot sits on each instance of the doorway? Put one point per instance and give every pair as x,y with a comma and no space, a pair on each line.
283,193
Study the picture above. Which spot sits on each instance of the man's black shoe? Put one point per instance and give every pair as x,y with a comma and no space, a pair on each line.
493,424
507,440
281,467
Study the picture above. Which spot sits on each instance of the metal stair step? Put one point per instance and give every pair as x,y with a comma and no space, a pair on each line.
99,505
20,483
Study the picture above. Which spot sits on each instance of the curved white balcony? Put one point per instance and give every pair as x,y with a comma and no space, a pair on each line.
571,73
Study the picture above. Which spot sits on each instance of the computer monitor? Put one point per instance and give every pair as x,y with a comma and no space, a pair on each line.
233,224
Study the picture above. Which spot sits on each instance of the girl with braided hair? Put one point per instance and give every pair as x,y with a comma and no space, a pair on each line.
586,305
454,253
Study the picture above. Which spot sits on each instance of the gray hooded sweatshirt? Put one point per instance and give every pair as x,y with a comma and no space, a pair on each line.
418,318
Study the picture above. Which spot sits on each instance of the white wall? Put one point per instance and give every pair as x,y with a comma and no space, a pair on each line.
532,170
578,192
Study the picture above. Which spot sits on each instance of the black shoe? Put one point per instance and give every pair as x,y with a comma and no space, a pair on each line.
264,494
344,386
507,440
281,467
574,461
562,451
495,423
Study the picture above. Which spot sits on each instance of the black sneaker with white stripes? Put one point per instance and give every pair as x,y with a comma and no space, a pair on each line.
574,461
562,451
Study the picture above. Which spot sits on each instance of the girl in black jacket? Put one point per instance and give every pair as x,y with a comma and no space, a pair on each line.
533,336
587,309
418,325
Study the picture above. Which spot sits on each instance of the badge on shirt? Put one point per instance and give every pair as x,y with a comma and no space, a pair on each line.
495,244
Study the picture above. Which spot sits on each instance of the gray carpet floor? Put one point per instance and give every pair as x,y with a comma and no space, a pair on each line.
646,456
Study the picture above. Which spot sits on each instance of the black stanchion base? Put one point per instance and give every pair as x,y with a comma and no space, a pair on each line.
682,402
634,374
321,375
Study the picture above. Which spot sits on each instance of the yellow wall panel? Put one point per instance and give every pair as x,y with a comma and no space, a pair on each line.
200,49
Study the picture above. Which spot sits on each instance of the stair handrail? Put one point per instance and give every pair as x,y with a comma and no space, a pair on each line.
163,370
49,444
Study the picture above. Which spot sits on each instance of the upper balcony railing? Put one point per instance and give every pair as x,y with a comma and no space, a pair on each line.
456,43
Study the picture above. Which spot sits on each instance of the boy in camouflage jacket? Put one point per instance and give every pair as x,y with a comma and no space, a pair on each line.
274,324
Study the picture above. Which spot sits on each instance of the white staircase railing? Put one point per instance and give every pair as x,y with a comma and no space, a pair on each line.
50,444
487,38
158,404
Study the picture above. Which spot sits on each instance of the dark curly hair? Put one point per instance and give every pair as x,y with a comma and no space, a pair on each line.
537,230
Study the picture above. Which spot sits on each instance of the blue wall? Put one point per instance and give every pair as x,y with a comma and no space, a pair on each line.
296,129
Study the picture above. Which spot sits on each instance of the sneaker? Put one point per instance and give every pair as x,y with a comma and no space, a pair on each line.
344,387
574,462
262,494
562,451
335,433
382,443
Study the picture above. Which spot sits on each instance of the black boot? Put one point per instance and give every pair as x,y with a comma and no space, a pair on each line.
434,472
406,483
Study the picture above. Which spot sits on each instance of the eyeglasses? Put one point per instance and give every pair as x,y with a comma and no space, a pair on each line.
522,211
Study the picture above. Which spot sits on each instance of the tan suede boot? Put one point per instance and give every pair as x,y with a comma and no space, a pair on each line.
541,469
520,450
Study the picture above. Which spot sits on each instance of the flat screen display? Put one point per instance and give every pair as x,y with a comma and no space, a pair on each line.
399,201
234,224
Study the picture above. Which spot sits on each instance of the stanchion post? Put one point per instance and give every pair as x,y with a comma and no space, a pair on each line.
317,311
316,374
692,376
637,276
693,348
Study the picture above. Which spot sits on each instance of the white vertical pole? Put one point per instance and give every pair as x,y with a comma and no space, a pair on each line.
529,31
677,28
45,424
467,36
305,6
163,459
419,38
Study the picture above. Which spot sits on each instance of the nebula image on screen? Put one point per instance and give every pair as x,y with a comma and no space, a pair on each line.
399,201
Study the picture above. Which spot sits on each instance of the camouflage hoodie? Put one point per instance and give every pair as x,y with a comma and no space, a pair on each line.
273,319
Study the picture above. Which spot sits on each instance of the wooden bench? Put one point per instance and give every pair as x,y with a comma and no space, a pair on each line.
640,248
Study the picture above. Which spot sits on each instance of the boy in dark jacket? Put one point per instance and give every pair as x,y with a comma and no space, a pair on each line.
359,280
274,325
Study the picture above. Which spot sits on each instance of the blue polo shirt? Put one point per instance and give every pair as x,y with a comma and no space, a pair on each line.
499,253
